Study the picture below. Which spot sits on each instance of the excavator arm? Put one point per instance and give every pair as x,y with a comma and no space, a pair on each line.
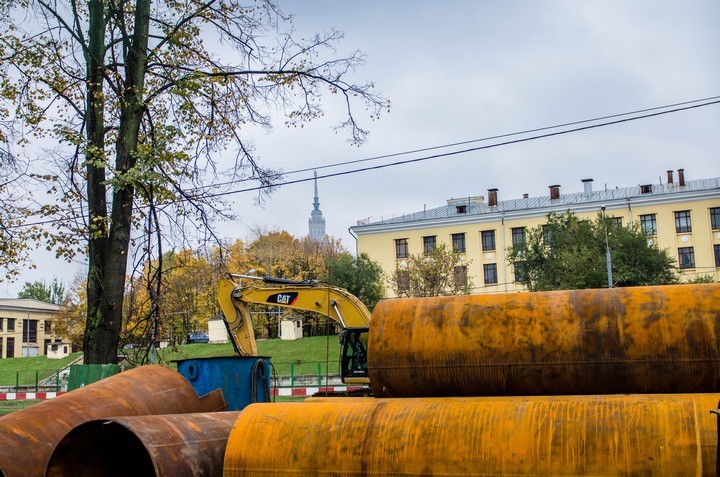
336,303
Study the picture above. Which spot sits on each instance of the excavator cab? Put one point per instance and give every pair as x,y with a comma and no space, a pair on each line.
353,355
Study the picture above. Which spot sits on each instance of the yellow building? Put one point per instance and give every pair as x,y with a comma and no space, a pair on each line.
681,216
26,327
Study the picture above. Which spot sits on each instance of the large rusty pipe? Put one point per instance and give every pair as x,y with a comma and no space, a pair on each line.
622,340
180,445
539,435
29,436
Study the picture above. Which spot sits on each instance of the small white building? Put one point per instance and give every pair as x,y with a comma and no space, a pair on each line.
217,330
291,327
58,350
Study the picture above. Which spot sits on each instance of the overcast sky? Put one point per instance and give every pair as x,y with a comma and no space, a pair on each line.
463,70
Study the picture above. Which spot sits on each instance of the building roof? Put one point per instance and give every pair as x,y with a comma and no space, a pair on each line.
29,304
590,199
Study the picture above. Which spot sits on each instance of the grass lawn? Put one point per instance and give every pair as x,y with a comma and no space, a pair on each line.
6,407
305,353
25,370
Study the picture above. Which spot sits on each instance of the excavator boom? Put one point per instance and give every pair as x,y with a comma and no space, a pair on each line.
336,303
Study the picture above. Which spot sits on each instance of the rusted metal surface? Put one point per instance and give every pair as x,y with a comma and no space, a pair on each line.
620,340
180,445
565,435
29,436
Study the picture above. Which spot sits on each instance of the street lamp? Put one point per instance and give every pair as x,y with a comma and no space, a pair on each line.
607,250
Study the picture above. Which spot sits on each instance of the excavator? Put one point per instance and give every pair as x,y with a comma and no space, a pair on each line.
336,303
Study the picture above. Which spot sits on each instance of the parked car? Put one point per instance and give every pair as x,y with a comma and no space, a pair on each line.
198,337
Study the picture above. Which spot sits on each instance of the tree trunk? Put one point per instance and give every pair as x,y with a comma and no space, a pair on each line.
108,265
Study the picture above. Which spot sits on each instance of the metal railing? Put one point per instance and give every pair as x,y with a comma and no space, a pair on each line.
30,380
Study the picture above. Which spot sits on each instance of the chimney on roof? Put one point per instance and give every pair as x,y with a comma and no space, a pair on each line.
554,192
681,177
587,184
492,197
670,177
525,196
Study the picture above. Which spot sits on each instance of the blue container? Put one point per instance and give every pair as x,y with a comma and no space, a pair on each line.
243,379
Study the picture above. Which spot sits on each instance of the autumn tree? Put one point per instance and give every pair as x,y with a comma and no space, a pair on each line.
361,276
70,323
142,97
569,253
436,273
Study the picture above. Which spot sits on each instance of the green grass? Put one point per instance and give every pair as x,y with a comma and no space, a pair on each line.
23,371
304,353
6,407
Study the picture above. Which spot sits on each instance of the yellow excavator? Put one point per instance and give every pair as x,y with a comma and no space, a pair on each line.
336,303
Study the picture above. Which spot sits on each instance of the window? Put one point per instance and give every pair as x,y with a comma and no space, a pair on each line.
682,221
458,243
518,235
10,348
520,272
48,326
615,221
686,257
646,189
11,324
460,276
488,240
490,273
715,218
717,255
1,324
547,234
429,244
403,280
401,248
29,331
1,343
461,209
648,224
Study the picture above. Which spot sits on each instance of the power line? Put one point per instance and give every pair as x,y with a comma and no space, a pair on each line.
687,105
471,141
465,151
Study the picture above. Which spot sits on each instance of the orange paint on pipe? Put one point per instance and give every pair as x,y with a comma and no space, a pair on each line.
620,340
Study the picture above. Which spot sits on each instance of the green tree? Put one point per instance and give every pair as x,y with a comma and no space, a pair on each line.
568,253
361,276
53,292
143,105
440,272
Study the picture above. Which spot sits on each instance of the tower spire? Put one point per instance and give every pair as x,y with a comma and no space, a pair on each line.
316,224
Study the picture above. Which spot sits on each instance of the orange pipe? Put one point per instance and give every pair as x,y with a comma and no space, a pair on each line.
179,445
29,436
565,435
619,340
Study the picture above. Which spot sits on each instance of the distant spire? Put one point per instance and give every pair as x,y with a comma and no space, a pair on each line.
316,224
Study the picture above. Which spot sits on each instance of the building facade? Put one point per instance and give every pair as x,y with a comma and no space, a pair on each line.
680,216
26,327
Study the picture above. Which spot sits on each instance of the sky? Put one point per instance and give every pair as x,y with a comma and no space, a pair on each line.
464,70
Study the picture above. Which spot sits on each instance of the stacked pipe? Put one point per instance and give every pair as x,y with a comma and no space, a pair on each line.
591,382
29,436
550,348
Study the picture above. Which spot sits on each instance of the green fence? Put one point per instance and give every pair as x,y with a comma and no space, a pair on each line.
31,380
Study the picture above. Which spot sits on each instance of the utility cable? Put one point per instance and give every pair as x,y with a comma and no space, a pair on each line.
462,151
684,106
471,141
